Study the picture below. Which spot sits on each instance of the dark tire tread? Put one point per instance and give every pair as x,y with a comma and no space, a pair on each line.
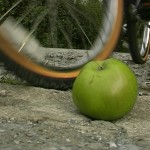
35,79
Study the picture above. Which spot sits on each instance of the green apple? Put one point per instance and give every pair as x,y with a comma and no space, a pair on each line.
105,90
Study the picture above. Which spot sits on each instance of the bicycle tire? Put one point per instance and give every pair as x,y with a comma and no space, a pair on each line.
62,78
139,50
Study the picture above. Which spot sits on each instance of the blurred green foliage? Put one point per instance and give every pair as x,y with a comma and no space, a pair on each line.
63,27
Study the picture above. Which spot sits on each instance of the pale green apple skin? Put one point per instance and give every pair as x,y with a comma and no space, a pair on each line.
105,90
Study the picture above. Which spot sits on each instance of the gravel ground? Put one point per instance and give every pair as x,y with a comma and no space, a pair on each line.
34,118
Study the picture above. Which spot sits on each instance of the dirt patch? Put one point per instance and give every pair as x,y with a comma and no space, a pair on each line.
44,119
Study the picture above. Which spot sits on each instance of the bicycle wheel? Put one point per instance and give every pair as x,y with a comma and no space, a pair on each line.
83,30
138,33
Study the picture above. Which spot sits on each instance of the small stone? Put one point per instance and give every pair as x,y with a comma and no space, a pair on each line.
112,145
29,141
29,134
93,138
82,131
140,94
68,140
16,141
2,131
99,138
145,86
72,121
3,93
15,135
29,123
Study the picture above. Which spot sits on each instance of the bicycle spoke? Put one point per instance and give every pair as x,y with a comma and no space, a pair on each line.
25,14
68,39
32,46
16,4
79,25
52,16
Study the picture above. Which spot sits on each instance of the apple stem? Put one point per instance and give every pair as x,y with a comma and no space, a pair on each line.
100,68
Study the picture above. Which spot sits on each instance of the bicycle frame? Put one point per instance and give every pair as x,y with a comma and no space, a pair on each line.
142,8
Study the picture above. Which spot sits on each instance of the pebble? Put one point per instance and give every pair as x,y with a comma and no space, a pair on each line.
112,144
16,142
29,141
68,140
3,93
145,86
2,131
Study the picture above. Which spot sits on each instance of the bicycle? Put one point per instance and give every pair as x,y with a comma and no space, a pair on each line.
138,29
32,65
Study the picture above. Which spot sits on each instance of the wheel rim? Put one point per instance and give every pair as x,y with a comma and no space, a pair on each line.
145,39
70,72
